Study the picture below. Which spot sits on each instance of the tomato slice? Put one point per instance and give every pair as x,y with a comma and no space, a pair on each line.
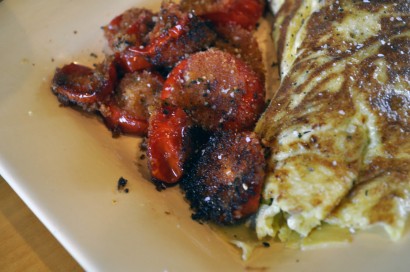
164,38
242,43
226,182
245,13
175,35
127,30
131,61
80,85
120,121
219,93
127,110
166,144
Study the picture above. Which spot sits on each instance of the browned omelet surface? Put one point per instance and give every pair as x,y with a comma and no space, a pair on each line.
338,128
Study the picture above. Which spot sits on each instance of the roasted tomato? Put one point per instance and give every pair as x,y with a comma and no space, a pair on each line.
217,90
127,110
131,61
167,144
130,29
75,84
225,184
175,35
245,13
241,43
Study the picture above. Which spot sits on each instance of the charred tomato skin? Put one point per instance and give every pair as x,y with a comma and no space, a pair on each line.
225,184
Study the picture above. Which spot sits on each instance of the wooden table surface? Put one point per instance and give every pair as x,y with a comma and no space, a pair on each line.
25,244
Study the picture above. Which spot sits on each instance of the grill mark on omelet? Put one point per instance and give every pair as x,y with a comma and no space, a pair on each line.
368,112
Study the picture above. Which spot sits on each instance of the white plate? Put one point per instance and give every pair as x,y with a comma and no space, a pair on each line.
65,166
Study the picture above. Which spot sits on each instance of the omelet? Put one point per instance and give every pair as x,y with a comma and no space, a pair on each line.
338,128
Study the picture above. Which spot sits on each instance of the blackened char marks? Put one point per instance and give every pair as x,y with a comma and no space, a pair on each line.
225,184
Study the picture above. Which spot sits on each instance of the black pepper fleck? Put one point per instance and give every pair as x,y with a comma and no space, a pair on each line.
143,145
122,182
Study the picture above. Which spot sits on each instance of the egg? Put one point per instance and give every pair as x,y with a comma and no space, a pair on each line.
338,128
